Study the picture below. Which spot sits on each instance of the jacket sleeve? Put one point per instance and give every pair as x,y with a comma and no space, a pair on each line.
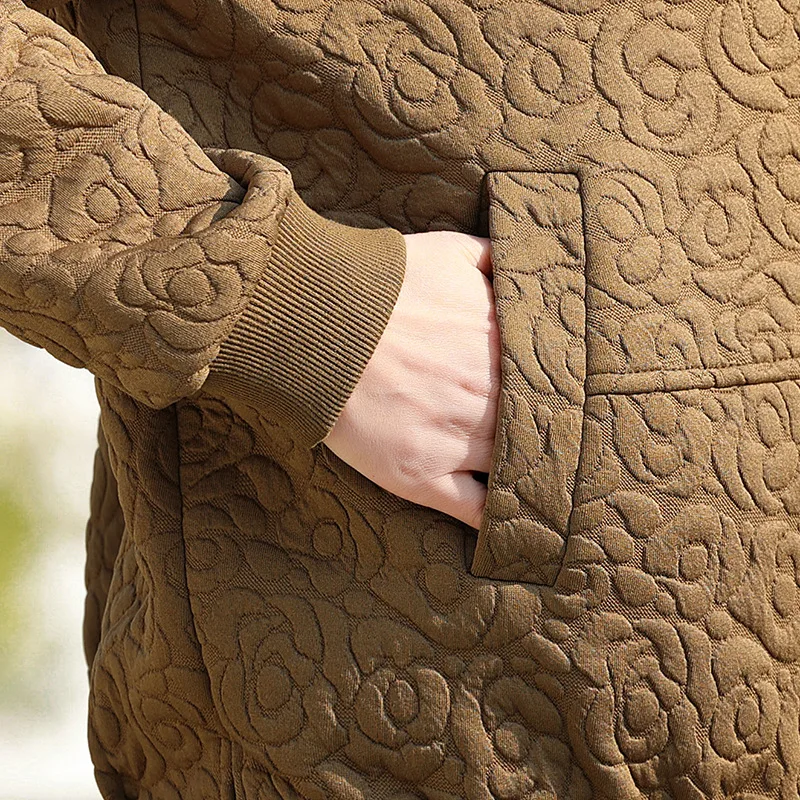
164,269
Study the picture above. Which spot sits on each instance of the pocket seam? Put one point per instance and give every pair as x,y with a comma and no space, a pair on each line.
543,526
675,380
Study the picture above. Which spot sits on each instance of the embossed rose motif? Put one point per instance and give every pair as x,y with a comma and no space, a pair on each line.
686,556
183,298
336,546
402,706
635,257
768,448
179,277
753,50
93,202
746,718
34,110
203,28
658,81
162,707
526,732
49,283
417,569
721,223
28,145
265,671
723,236
420,73
768,601
770,152
402,711
547,78
663,439
212,437
321,538
636,714
513,737
429,203
328,168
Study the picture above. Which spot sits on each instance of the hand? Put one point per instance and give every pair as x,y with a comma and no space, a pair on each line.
422,417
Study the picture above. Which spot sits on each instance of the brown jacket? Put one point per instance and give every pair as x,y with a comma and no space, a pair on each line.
264,623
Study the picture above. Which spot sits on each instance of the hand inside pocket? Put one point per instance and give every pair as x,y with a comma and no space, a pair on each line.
421,421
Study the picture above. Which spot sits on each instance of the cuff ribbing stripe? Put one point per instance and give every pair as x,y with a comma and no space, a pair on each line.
313,321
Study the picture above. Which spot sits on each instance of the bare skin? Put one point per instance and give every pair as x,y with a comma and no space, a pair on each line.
421,420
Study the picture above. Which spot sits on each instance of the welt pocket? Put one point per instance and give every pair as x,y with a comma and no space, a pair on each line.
574,333
536,230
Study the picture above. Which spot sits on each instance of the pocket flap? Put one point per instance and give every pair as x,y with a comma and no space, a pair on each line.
536,228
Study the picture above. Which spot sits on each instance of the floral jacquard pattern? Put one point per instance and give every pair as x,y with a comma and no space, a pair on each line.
766,600
768,152
642,715
436,67
520,744
763,69
266,623
656,78
402,708
104,218
546,75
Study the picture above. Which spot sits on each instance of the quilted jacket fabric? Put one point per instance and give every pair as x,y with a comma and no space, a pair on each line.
210,222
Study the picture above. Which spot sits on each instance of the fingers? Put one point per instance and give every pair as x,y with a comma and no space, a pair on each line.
461,496
483,252
477,454
476,249
484,263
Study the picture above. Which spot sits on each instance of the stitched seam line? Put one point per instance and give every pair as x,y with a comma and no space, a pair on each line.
576,481
181,511
700,378
138,43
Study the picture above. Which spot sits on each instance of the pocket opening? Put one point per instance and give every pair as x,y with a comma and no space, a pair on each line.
535,222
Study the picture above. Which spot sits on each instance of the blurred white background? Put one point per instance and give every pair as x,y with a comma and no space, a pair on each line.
48,420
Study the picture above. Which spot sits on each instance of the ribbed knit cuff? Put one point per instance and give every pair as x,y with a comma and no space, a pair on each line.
313,322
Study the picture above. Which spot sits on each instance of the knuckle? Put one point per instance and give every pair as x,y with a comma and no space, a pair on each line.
411,464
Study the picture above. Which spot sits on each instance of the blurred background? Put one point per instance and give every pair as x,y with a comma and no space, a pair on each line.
48,421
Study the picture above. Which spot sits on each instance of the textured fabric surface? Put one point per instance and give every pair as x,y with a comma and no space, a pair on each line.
265,623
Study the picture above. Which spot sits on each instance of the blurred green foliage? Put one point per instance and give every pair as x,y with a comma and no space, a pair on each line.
18,549
48,419
15,545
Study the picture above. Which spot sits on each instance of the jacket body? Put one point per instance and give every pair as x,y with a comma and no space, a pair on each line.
265,623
